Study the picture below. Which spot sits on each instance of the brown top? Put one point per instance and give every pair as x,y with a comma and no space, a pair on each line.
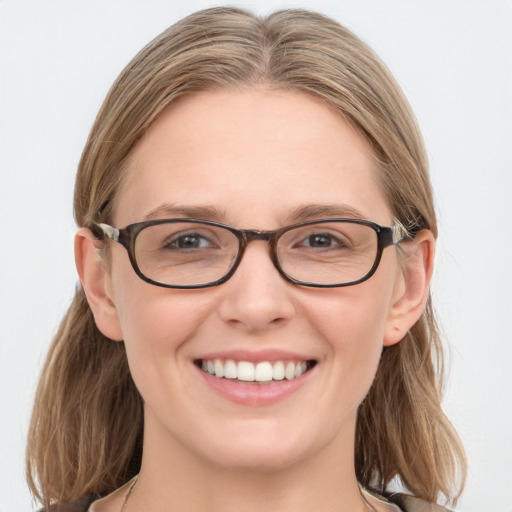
409,503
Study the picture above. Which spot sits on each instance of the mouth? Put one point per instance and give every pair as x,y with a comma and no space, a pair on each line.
262,372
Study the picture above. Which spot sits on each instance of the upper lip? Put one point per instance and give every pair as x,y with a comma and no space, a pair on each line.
255,356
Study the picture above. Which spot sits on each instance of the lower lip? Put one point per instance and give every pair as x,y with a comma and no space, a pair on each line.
254,394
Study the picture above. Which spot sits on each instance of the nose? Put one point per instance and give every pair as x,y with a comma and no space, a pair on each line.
256,297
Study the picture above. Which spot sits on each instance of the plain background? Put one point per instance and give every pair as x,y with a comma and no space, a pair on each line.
454,61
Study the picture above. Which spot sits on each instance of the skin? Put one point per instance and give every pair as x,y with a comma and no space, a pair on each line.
255,157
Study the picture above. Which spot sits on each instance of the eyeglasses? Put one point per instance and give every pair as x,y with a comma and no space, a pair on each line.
190,253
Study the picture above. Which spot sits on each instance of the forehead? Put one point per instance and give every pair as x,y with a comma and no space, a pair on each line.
254,156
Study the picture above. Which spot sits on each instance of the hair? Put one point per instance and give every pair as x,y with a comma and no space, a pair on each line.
87,424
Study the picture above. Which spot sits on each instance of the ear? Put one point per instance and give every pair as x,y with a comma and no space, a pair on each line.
412,288
96,283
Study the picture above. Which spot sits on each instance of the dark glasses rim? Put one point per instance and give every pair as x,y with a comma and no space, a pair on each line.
127,236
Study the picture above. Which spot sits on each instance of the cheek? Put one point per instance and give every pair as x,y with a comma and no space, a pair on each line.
148,313
352,321
159,324
352,318
156,324
159,339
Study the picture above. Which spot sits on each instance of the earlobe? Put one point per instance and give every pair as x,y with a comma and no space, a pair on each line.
409,302
95,280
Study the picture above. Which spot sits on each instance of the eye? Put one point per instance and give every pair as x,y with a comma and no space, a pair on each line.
322,241
319,240
188,241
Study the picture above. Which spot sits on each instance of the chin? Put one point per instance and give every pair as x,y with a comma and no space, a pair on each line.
264,448
257,459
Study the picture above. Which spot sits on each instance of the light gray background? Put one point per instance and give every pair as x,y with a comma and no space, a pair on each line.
454,61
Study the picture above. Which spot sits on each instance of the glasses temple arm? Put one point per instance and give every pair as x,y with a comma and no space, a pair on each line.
109,231
400,232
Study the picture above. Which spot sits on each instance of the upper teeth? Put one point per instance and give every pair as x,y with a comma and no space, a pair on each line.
264,371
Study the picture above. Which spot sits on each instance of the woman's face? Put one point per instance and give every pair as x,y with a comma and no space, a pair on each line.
261,160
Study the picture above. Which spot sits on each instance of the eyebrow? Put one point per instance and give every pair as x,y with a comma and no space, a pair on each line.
298,214
171,210
319,211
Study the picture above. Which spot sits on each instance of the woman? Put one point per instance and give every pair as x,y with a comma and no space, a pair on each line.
255,246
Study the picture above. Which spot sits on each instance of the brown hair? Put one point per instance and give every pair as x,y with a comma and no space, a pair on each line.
86,431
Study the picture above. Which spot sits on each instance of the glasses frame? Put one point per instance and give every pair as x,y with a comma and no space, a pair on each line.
127,236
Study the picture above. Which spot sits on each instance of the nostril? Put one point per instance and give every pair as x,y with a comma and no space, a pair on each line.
278,321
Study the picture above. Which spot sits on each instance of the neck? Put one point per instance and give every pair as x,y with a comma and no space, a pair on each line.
324,480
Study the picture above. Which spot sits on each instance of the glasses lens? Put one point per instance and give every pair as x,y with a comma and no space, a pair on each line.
185,253
328,252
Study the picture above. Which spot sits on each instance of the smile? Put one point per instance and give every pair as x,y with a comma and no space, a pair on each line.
246,371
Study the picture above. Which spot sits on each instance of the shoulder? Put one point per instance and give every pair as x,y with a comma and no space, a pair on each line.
406,502
410,503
